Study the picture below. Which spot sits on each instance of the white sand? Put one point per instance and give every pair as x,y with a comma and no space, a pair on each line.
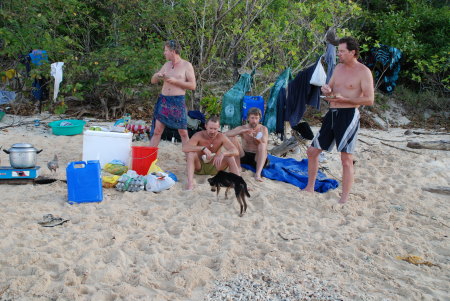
174,245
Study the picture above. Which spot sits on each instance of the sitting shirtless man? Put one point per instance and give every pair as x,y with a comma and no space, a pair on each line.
255,136
209,143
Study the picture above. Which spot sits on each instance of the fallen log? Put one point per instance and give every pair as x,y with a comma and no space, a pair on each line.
287,146
437,189
410,132
437,145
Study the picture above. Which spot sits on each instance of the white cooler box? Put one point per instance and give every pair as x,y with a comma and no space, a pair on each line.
107,146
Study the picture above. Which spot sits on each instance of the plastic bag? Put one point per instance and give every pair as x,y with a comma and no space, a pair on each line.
109,181
115,169
154,167
158,181
319,77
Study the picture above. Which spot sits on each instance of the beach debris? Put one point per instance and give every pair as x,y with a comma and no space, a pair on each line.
437,189
284,237
262,285
437,145
417,260
53,165
49,220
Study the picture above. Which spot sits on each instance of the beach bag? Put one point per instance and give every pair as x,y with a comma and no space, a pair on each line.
158,181
231,113
115,169
319,76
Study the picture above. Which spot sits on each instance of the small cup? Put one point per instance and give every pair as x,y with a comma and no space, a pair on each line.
37,122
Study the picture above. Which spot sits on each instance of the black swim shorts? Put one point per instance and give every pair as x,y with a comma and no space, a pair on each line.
340,127
249,158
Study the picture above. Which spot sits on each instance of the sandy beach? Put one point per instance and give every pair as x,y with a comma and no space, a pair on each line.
178,245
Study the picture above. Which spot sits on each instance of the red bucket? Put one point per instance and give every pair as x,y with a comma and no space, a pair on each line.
143,157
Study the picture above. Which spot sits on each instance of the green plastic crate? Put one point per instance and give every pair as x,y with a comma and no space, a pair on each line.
74,129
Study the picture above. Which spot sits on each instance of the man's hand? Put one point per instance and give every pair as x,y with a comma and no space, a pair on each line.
337,98
245,131
170,80
208,153
326,90
218,158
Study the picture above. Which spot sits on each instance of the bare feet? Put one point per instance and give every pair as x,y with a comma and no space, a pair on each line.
342,200
259,178
308,189
189,187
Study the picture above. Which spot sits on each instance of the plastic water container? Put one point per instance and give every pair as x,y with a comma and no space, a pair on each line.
84,183
143,157
252,102
107,146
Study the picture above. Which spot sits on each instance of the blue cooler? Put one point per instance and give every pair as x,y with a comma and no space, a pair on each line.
84,182
252,102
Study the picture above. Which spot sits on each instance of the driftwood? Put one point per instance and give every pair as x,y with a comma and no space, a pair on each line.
381,139
405,150
287,146
438,145
409,132
437,189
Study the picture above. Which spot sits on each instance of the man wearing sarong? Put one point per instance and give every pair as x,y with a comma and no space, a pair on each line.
350,86
177,76
209,151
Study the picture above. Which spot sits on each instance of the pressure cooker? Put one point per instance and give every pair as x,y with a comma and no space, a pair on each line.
22,155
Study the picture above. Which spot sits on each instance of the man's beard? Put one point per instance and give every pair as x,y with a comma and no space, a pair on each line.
253,125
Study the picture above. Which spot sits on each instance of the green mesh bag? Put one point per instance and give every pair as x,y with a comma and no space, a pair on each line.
231,113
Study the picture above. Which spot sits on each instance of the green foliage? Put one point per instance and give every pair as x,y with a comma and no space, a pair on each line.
61,108
420,29
111,48
211,105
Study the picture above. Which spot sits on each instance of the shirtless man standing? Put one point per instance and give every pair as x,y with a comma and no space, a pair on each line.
177,76
208,144
255,137
350,86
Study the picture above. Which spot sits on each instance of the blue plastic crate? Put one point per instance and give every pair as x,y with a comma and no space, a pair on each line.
84,183
252,102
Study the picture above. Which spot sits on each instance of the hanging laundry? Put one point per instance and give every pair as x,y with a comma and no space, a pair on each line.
38,57
271,116
330,60
7,96
301,93
385,62
281,110
9,74
56,70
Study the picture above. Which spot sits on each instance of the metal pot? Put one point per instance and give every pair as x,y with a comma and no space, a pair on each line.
22,155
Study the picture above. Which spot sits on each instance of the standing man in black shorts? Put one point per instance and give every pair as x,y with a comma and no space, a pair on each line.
350,87
255,136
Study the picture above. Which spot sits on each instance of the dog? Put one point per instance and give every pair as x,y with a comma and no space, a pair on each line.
230,180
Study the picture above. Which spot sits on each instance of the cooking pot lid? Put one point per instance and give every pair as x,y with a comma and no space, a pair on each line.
22,145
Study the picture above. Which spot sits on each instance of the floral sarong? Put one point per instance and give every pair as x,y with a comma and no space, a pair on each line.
171,111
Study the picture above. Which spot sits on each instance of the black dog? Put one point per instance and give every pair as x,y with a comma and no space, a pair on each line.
230,180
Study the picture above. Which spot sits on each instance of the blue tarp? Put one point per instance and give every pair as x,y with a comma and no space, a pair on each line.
294,172
7,96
